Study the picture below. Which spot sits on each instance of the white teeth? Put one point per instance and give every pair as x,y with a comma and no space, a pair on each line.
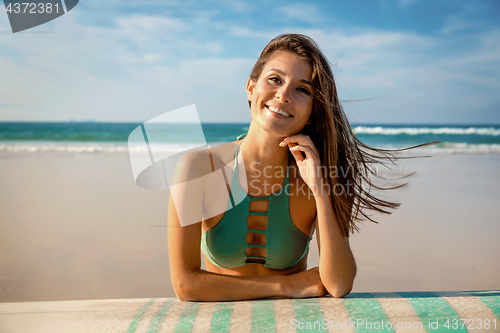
278,111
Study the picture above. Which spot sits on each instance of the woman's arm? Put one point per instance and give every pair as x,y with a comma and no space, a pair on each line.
336,263
191,283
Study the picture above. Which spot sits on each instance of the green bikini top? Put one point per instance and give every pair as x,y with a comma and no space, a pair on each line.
225,244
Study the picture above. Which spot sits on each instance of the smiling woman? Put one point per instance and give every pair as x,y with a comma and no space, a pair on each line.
254,226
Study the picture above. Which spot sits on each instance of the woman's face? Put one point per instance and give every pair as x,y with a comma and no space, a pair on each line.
282,98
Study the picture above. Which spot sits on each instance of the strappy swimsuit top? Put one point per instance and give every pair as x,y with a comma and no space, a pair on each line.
225,244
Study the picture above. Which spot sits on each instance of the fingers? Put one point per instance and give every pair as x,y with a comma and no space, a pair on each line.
307,284
296,152
299,139
307,150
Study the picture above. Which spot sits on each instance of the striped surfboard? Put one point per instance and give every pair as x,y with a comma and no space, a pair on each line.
472,311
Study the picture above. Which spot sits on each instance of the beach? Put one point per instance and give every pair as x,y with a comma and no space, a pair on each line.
77,227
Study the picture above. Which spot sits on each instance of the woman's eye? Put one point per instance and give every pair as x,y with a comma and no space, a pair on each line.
304,90
275,79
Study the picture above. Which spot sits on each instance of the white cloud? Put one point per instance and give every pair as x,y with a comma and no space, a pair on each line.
301,11
456,24
245,32
150,25
236,6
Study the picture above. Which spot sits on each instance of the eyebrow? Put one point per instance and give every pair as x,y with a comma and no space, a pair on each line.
283,73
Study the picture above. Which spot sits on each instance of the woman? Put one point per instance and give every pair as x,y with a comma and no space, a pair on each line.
258,246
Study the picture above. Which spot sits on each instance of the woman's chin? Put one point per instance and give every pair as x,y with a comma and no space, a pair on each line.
279,130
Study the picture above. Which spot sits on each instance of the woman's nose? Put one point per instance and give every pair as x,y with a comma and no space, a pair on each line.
283,94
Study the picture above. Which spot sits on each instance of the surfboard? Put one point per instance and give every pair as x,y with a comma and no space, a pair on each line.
471,311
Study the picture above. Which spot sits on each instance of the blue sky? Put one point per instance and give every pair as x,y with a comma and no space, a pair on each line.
408,61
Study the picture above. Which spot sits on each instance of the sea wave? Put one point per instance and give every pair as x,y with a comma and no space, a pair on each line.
85,147
174,148
426,130
452,148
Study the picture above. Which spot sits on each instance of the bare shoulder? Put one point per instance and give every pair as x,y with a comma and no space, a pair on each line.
199,163
192,165
224,154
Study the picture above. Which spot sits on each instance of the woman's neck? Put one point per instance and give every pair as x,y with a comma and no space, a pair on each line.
261,148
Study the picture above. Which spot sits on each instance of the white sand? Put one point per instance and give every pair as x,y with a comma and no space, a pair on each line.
77,227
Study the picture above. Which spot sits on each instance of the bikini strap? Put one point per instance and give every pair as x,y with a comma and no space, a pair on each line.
235,167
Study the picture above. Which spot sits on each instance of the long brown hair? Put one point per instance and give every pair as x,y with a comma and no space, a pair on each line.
350,160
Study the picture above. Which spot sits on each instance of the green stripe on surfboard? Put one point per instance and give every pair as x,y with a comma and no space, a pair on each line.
307,313
490,298
263,316
186,320
139,315
493,302
366,314
222,317
434,311
157,320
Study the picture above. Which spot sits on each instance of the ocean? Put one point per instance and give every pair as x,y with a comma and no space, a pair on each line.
112,138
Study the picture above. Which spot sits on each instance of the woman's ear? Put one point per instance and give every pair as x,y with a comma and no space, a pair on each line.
309,122
250,87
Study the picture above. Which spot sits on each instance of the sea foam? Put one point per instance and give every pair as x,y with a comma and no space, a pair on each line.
426,130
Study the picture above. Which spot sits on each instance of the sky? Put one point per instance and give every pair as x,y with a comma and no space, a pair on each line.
394,61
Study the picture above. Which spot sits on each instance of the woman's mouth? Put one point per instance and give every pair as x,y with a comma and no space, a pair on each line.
278,111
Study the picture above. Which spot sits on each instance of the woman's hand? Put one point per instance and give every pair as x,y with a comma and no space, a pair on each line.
310,165
304,284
